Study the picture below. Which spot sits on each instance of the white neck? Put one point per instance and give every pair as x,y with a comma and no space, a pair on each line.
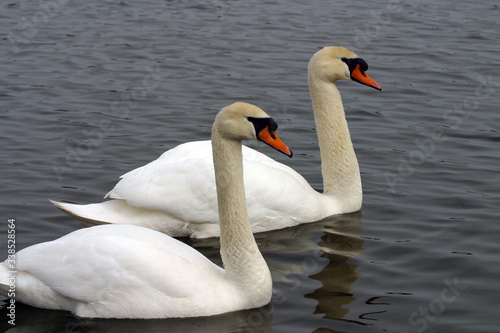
341,177
242,259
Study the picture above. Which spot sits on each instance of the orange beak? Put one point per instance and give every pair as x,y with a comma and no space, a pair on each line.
359,75
270,137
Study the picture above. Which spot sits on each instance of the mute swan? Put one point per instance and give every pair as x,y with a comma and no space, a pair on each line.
126,271
175,194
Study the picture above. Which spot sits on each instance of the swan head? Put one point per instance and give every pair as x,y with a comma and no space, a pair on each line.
243,121
334,63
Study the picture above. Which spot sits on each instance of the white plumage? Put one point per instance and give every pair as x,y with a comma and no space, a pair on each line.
179,186
120,271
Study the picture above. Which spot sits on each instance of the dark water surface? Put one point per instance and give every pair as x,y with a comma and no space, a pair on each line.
92,89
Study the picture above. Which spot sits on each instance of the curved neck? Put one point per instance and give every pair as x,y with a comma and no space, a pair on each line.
242,259
339,166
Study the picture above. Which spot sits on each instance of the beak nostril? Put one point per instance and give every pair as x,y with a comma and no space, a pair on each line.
271,133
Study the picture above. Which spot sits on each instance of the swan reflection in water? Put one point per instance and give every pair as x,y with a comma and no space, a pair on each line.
30,319
309,261
338,244
316,258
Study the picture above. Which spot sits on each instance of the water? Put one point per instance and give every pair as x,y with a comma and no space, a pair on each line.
90,90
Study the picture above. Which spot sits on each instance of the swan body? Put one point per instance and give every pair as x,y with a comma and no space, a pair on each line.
179,186
127,271
175,194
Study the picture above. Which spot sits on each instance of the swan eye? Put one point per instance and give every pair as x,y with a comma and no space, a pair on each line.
273,126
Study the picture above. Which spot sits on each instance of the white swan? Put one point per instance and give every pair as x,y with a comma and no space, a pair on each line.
125,271
175,194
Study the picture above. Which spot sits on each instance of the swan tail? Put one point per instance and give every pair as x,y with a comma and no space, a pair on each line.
28,289
5,276
83,213
118,211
